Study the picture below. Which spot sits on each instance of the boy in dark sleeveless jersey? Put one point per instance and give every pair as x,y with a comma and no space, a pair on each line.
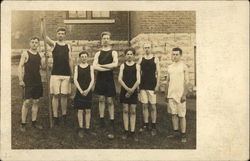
104,63
61,73
30,80
84,80
149,85
129,78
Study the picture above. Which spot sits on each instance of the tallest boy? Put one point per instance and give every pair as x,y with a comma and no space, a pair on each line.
61,71
104,62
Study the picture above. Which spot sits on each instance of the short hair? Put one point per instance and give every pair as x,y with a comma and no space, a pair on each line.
130,49
83,52
61,29
34,38
105,33
177,49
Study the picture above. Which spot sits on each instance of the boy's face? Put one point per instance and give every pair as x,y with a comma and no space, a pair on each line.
147,48
176,56
60,35
105,40
34,44
84,58
129,55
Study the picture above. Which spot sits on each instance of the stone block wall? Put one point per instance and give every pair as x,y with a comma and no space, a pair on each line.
162,45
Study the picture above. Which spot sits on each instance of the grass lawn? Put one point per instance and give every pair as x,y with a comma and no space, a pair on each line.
65,137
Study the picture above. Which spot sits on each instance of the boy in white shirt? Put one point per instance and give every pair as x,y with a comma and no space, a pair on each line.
176,92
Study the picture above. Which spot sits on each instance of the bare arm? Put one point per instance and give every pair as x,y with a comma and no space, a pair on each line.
75,80
97,66
120,78
114,64
43,64
157,73
186,81
24,58
138,77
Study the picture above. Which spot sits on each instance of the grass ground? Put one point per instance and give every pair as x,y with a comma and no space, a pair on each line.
65,137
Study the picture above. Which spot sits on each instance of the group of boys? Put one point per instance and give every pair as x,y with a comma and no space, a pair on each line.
143,75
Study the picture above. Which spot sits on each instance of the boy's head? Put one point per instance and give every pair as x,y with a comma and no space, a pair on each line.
105,38
147,48
34,42
60,33
129,54
83,55
176,54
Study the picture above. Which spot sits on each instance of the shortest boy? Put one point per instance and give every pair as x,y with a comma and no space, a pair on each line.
84,80
129,78
176,93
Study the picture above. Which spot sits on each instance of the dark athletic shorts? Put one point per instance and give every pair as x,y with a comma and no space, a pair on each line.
34,92
105,84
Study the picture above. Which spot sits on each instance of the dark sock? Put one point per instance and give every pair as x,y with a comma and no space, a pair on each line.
153,125
64,117
33,123
176,131
112,122
183,135
23,124
102,122
132,133
56,121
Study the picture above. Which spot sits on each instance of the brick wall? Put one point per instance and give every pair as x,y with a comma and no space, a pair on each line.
54,19
162,22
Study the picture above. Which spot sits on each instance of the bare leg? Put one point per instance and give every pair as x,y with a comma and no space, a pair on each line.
34,110
111,108
101,106
132,117
153,113
64,103
55,99
80,118
25,110
183,124
175,121
145,112
125,116
87,118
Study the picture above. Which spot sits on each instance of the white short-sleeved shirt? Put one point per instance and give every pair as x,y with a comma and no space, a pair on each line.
176,73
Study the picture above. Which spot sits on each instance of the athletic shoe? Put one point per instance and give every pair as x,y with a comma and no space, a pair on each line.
174,135
125,135
153,132
143,129
183,139
22,128
81,132
37,126
111,136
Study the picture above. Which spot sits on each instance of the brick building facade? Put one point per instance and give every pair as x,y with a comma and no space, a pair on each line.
164,29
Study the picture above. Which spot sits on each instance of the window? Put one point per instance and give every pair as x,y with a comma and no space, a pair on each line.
100,14
88,17
77,14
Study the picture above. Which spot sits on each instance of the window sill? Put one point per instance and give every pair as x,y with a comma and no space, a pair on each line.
90,21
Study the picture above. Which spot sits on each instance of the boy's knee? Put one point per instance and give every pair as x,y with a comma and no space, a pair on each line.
132,112
110,102
101,99
125,111
27,101
55,96
35,101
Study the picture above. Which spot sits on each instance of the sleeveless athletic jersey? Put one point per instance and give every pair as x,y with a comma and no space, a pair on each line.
129,75
84,79
105,84
32,75
148,77
176,83
129,78
61,60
